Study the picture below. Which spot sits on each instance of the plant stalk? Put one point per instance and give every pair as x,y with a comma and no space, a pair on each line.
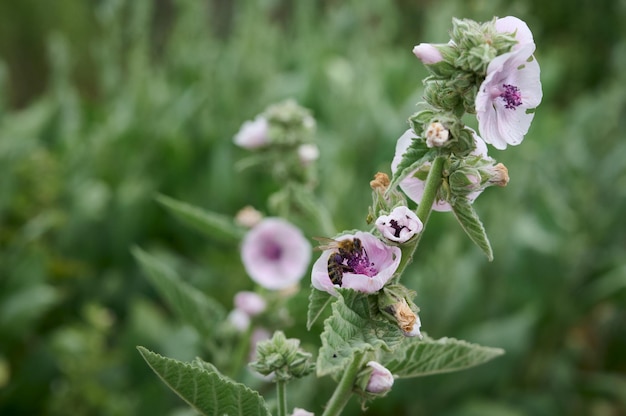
281,396
343,391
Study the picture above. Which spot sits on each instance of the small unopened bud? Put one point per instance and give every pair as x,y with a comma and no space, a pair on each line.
253,134
427,53
500,175
308,153
380,380
400,225
248,217
436,135
380,182
239,320
301,412
250,302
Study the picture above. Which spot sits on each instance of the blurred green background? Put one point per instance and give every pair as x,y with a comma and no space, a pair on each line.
104,104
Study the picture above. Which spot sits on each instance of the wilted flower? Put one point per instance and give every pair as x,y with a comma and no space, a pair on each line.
275,253
250,302
253,134
436,135
361,262
400,225
508,96
248,217
301,412
380,380
427,53
413,184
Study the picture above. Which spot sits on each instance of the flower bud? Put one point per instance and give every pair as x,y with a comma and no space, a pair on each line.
499,175
427,53
239,320
253,134
301,412
383,201
308,153
380,379
283,358
250,302
400,225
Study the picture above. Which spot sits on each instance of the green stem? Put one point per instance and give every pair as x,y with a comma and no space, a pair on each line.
343,391
281,396
431,187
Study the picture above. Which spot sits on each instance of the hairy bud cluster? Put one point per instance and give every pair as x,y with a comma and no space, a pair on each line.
282,358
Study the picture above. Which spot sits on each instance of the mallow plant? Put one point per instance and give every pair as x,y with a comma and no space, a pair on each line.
372,336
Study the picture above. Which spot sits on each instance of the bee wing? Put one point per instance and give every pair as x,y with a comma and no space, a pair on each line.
325,243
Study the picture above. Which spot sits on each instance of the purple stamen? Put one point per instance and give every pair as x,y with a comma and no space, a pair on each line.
512,96
397,228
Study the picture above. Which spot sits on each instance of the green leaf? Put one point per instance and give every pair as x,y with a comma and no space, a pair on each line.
355,325
414,157
428,356
188,303
318,301
467,217
206,390
210,223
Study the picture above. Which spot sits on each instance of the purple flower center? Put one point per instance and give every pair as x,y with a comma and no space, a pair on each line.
397,228
359,263
511,96
272,250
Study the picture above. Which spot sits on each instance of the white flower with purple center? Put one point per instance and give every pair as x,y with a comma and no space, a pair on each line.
275,254
413,184
400,225
253,134
358,261
381,379
507,98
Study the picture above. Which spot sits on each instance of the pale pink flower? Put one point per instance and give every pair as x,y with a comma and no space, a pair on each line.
427,53
250,302
275,254
508,96
253,134
381,379
511,24
366,267
413,186
400,225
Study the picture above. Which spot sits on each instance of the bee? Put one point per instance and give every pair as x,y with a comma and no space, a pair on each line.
339,262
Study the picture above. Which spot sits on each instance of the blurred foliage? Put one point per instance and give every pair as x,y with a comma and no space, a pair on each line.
104,104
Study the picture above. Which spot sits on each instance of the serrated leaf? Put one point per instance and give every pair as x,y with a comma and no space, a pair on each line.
414,157
467,217
188,303
204,388
422,357
318,301
355,325
209,223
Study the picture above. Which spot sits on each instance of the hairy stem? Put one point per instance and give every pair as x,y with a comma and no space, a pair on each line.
281,396
431,187
343,392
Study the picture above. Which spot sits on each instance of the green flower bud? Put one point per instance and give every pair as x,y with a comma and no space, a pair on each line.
283,358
